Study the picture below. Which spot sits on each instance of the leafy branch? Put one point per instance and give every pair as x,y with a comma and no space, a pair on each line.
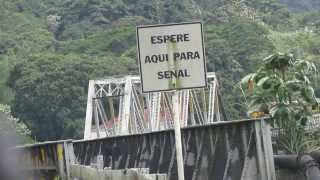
281,88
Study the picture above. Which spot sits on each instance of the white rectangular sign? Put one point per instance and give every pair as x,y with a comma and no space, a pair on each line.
171,56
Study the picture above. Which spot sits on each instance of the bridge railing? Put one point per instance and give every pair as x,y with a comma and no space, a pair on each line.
45,160
237,150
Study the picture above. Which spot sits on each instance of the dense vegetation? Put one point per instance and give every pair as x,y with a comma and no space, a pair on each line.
49,49
281,87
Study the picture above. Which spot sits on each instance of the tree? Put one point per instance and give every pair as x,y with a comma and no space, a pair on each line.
114,41
51,91
281,88
233,49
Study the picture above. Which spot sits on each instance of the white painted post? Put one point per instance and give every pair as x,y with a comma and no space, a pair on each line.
67,158
89,111
100,163
261,165
267,144
177,132
185,107
155,111
96,118
124,124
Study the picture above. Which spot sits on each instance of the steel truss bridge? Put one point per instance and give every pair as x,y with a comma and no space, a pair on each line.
126,128
116,106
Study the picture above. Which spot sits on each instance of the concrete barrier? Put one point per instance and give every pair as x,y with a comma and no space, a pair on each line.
80,172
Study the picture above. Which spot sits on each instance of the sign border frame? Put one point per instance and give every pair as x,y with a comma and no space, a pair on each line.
172,24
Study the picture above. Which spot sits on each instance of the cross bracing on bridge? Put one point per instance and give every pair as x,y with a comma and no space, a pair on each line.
116,106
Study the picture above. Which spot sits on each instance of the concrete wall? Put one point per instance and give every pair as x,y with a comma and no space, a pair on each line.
89,173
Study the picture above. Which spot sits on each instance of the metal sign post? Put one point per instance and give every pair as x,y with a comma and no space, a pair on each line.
172,58
177,134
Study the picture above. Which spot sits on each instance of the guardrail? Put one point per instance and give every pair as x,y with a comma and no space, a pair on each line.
90,173
46,160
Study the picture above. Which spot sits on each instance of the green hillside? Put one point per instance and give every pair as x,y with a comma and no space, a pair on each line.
302,6
49,49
